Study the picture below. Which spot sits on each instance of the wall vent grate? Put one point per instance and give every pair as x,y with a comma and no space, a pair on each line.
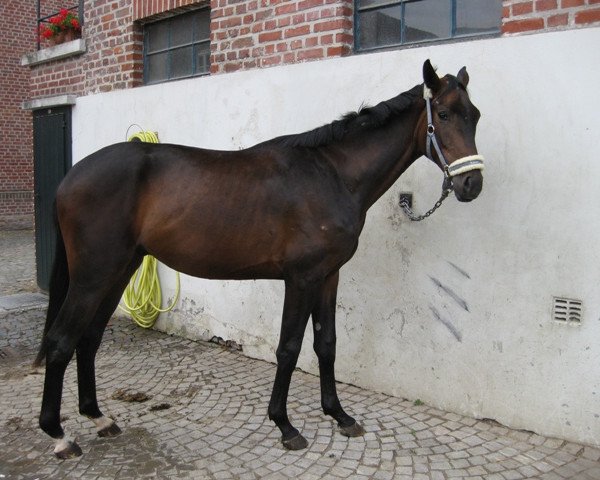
567,311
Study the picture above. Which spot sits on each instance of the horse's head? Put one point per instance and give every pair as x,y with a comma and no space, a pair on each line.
448,130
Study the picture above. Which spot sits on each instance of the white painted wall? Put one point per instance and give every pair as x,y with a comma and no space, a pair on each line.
532,234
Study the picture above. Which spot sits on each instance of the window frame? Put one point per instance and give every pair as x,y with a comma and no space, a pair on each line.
195,42
402,43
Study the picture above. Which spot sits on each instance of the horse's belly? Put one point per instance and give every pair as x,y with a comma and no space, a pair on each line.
220,258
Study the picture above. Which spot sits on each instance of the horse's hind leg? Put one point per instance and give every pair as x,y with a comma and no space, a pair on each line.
86,355
323,317
61,340
298,303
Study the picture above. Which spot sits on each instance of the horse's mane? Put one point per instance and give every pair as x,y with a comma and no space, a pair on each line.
367,118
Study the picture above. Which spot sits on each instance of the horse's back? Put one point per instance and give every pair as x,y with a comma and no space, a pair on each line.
215,214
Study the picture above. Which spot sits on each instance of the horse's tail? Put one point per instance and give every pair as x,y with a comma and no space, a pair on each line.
59,285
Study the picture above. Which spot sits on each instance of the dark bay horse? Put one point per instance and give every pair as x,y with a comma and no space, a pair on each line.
291,208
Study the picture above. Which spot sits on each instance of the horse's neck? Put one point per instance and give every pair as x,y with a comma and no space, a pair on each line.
375,161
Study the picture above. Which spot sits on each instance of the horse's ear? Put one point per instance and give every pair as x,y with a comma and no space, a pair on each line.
463,77
432,81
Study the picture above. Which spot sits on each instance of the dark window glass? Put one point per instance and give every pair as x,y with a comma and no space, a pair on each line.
178,47
381,27
157,67
427,20
382,23
474,17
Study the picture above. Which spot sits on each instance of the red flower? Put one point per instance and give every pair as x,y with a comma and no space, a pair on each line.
64,21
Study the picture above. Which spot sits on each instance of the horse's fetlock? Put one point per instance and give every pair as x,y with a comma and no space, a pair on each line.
51,426
277,415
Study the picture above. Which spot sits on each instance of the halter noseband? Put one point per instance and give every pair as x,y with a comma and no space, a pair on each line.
461,165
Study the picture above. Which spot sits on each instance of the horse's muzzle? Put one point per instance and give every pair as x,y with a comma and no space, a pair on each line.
468,185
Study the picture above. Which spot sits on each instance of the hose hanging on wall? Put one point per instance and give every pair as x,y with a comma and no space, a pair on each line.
142,298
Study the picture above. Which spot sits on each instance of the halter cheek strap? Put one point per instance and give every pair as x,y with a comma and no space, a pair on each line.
461,165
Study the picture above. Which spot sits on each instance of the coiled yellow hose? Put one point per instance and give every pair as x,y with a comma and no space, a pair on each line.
142,298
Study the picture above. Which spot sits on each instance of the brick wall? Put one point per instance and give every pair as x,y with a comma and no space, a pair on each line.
262,33
113,59
16,164
534,15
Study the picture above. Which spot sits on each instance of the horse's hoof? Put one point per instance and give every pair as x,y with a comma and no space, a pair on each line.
354,430
111,431
68,450
296,443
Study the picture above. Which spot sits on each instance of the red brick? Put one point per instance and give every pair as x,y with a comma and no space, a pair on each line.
558,20
522,8
270,61
269,36
284,22
326,39
311,54
543,5
571,3
242,42
295,32
231,67
298,18
338,24
587,16
516,26
337,51
305,4
289,7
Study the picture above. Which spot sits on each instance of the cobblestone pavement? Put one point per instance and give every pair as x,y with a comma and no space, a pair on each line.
204,417
17,257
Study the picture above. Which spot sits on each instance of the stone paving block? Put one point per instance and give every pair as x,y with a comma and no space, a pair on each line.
591,453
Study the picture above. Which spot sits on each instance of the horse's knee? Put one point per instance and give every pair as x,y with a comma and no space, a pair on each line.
325,351
58,355
288,353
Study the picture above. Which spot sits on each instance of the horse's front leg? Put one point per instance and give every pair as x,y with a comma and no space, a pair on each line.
323,316
299,300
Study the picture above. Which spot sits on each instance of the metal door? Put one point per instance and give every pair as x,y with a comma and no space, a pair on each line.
52,159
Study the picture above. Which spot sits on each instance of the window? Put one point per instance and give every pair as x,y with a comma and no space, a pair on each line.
178,47
383,23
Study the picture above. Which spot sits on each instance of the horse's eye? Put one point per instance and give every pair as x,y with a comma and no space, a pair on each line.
443,115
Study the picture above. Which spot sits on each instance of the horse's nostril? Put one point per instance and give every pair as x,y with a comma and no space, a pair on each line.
468,184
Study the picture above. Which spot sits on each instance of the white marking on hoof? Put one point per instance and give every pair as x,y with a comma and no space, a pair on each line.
103,422
63,443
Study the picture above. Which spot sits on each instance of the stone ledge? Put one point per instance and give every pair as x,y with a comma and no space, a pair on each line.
22,302
64,50
49,102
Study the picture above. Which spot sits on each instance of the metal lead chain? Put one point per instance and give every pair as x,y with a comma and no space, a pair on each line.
417,218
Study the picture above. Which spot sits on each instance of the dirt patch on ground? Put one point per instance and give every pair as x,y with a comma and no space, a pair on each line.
131,397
